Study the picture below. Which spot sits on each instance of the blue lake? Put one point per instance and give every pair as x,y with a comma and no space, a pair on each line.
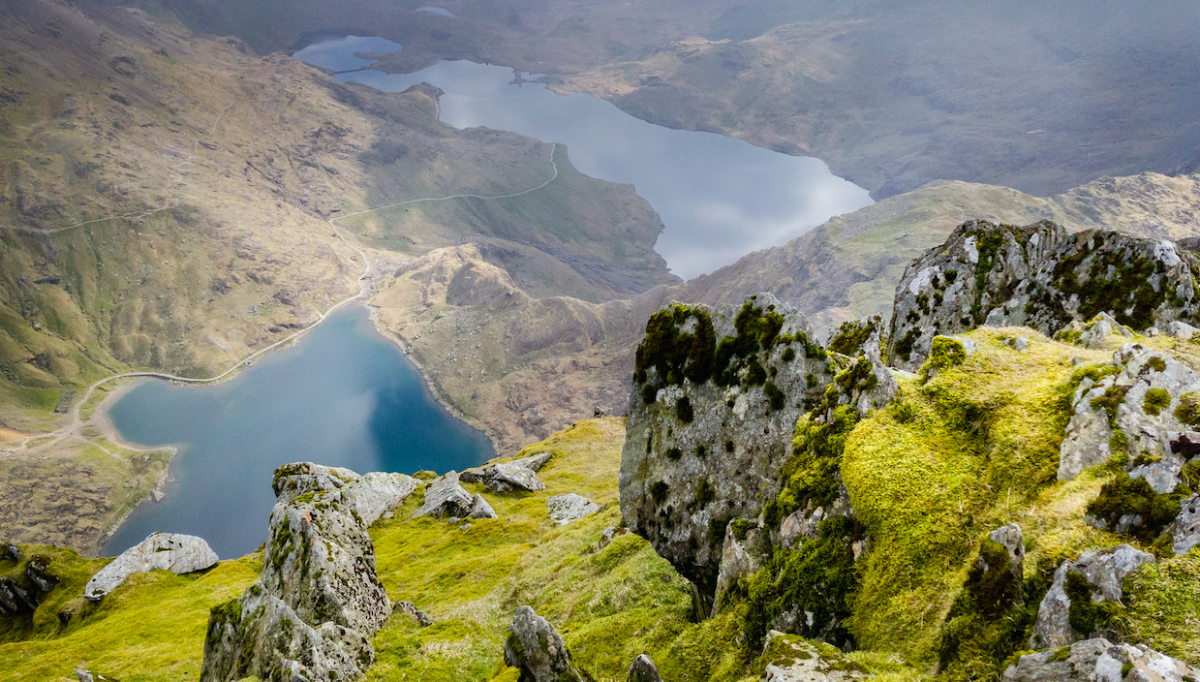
719,198
342,396
339,54
435,10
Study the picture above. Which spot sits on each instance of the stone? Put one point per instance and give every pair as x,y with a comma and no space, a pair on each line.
792,659
570,507
407,608
1043,277
1185,529
644,670
718,433
1103,570
1182,330
804,524
740,557
172,552
14,599
1019,343
537,650
10,552
319,601
84,675
480,509
37,569
1098,660
534,462
1150,429
1010,537
606,537
445,497
502,477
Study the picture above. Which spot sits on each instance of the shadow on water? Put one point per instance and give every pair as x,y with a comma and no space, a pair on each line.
343,396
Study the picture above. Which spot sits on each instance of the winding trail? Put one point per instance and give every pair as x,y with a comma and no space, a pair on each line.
75,428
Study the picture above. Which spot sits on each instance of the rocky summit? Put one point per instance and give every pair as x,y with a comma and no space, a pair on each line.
1038,276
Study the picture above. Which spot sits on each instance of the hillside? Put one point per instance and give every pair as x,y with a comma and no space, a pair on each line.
1037,97
889,521
169,203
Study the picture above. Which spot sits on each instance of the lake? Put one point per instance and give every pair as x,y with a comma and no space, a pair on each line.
719,198
342,396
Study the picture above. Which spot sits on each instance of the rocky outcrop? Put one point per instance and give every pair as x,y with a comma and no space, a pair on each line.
1037,276
792,659
716,397
1185,530
10,552
536,649
1070,605
743,552
644,670
172,552
407,608
480,509
445,497
312,614
570,507
1098,660
1143,399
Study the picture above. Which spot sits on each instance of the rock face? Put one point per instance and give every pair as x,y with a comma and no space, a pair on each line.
644,670
1038,276
791,659
537,650
1146,397
716,397
312,614
570,507
1185,531
172,552
445,497
1098,660
1095,576
480,509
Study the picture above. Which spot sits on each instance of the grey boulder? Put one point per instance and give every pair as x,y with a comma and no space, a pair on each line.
570,507
1185,530
480,509
537,650
1098,660
644,670
1103,570
792,659
172,552
445,497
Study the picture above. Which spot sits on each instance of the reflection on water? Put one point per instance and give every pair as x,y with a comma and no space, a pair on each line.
435,10
343,396
338,54
719,198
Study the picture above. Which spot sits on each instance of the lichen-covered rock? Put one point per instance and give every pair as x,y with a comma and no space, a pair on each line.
536,649
716,396
792,659
644,670
480,509
1141,401
37,570
10,552
407,608
161,551
1098,660
1073,607
1037,276
15,599
533,463
805,524
445,497
1185,530
570,507
508,476
319,602
743,552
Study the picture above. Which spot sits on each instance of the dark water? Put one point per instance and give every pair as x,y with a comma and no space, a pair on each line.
343,396
719,198
339,54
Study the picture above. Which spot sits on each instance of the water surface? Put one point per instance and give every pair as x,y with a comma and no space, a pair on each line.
339,54
342,396
719,198
435,10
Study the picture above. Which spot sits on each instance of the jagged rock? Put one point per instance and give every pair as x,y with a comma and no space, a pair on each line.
570,507
606,537
1142,400
740,556
172,552
15,599
644,670
1037,276
502,477
407,608
1103,571
792,659
803,524
37,569
445,497
312,614
537,650
1010,537
480,509
10,552
534,462
1185,530
706,431
1098,660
